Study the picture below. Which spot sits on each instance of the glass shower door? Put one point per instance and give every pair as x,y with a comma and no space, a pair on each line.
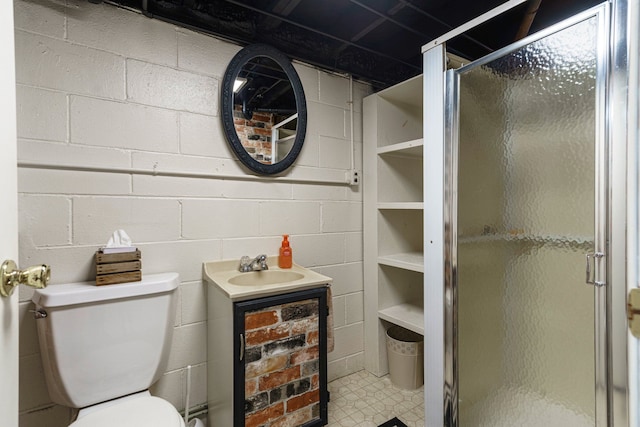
528,190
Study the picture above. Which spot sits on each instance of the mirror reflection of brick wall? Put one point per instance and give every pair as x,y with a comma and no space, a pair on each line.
255,133
282,365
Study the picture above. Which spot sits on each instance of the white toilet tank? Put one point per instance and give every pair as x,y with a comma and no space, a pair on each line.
103,342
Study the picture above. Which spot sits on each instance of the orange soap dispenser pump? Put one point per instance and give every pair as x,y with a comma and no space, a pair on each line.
285,258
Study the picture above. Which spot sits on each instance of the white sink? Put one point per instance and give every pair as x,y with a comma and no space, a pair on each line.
275,280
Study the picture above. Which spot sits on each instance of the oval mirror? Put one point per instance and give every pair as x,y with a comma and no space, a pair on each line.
264,112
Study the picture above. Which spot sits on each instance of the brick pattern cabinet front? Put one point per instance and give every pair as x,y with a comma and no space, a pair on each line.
280,379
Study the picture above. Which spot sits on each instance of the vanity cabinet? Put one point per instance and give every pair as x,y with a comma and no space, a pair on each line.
393,216
267,359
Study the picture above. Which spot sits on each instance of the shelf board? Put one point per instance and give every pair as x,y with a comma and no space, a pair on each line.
407,149
413,261
408,316
407,92
401,205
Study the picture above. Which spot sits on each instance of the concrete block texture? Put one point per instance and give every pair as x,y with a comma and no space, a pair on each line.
144,219
41,114
204,54
45,219
140,127
72,155
102,87
169,88
43,17
128,34
56,64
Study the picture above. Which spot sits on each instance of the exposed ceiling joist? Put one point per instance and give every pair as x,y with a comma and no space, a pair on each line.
374,40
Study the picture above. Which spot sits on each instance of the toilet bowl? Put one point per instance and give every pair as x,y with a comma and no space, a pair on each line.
102,348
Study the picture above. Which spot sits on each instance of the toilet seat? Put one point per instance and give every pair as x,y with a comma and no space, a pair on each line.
138,412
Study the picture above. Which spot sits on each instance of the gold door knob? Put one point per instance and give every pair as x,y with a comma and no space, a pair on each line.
633,311
10,277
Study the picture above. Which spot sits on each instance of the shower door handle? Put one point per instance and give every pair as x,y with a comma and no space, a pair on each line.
591,277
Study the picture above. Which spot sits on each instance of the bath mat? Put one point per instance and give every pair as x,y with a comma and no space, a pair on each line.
393,422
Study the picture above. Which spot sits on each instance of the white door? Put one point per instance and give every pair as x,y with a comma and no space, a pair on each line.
8,219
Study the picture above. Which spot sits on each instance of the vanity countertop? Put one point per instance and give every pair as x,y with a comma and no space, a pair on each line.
239,286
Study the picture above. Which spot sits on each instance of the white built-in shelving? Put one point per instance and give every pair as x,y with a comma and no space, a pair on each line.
406,149
401,205
393,216
407,315
413,261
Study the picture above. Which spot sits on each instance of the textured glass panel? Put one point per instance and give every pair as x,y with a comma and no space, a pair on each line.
526,178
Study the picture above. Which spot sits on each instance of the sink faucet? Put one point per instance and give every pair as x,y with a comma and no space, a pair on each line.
259,263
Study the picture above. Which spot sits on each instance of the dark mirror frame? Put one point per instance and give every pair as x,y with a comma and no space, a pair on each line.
233,69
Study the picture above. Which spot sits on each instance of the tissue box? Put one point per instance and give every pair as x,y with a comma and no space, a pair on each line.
116,268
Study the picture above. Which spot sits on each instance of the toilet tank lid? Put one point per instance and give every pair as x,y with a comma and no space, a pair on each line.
86,292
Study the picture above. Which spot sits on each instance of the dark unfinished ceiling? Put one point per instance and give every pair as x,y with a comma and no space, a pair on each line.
378,41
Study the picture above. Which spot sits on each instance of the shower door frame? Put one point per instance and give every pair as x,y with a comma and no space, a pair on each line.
611,383
452,125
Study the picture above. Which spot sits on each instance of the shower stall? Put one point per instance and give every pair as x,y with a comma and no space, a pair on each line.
525,262
524,160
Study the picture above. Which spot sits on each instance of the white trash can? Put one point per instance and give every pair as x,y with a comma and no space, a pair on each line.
405,351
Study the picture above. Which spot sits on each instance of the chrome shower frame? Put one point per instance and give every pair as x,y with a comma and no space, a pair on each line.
617,160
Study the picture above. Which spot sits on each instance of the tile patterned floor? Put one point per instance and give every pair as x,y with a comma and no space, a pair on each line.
364,400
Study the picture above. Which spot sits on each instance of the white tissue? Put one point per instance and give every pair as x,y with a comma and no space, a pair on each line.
118,242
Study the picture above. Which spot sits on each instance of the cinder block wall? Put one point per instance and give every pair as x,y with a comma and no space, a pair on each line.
105,87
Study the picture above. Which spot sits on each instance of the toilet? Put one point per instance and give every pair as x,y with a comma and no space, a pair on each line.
103,347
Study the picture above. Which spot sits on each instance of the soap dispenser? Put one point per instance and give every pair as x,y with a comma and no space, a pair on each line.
285,258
